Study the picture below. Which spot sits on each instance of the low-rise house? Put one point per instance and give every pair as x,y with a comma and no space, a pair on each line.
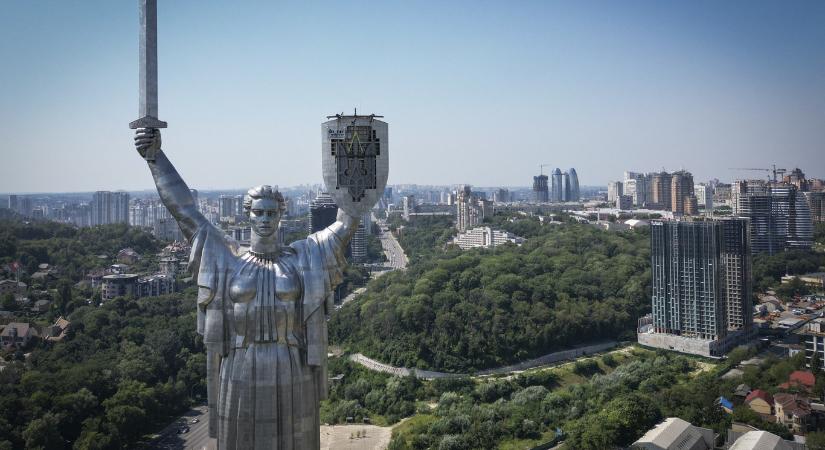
742,391
675,434
127,256
57,332
800,379
11,287
41,305
760,402
792,411
17,334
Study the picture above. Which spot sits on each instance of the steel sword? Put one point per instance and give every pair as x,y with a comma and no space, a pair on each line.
148,61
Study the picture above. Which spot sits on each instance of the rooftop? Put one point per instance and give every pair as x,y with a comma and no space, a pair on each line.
674,429
759,393
760,440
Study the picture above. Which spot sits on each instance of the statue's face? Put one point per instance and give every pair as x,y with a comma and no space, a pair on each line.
264,215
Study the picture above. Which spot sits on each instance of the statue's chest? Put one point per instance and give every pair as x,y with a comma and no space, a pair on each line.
266,306
262,282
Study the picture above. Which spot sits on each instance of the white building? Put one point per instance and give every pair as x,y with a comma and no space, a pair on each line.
676,434
704,195
614,191
485,237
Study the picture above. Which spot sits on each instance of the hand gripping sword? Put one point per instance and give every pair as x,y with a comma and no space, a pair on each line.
148,59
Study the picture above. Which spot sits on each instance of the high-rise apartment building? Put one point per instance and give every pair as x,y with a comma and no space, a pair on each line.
501,196
110,207
566,189
681,190
540,190
704,196
13,202
408,204
238,204
780,217
661,183
359,239
701,286
575,194
557,188
322,212
816,203
615,189
226,206
635,185
470,210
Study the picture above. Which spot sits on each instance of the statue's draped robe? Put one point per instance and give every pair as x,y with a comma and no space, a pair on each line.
264,395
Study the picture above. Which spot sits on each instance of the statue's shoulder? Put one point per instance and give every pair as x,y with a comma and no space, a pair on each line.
211,246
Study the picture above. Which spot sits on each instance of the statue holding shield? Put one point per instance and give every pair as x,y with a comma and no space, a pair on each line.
262,312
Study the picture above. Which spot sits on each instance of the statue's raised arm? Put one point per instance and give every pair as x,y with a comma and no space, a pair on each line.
173,191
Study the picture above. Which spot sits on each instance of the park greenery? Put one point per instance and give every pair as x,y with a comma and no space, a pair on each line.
423,237
125,369
464,311
595,403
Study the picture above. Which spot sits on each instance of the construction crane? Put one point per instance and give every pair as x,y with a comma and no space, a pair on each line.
776,172
541,167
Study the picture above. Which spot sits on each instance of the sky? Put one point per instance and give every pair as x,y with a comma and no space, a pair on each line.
478,92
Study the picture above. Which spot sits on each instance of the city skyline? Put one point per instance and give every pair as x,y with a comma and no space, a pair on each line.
702,87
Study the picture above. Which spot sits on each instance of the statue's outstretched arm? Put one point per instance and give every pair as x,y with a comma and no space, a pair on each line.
174,193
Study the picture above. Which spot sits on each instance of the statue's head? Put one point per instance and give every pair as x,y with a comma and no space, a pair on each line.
265,207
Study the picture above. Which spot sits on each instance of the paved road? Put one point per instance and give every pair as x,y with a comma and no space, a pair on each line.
537,362
396,257
196,438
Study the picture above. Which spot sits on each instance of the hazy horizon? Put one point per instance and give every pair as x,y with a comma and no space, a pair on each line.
478,93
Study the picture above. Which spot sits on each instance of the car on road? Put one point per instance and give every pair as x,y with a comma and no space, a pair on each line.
195,420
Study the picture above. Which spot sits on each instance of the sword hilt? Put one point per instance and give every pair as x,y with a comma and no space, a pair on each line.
147,122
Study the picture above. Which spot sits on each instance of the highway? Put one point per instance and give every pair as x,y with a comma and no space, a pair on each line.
196,436
396,258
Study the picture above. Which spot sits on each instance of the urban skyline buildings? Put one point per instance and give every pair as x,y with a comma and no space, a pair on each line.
109,207
559,187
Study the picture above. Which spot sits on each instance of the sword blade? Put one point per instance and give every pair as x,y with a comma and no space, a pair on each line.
148,58
148,63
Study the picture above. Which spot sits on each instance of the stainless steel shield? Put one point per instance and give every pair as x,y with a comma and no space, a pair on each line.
355,161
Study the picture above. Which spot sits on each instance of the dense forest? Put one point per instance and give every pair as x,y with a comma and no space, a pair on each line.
423,237
125,369
461,311
596,404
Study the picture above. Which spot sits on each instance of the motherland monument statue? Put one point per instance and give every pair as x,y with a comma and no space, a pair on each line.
262,311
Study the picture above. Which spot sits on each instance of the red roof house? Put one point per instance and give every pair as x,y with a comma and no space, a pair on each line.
760,402
802,379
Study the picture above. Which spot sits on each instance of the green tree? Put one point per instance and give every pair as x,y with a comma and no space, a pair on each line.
815,440
43,433
8,302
